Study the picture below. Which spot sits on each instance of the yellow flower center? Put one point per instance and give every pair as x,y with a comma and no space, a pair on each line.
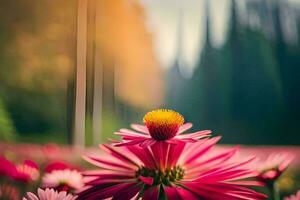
163,124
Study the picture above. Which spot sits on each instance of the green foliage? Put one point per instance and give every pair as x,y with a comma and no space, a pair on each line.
7,130
110,125
36,55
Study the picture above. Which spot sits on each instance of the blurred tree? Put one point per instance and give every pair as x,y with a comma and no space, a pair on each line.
37,52
177,84
126,51
287,55
127,76
205,84
255,101
247,89
38,58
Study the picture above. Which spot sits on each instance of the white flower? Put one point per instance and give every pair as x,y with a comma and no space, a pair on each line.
69,178
49,194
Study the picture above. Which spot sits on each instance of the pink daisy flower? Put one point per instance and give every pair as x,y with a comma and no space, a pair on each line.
57,165
49,194
26,171
169,171
63,180
271,168
293,197
160,125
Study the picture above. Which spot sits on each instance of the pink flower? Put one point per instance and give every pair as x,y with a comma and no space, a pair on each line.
271,168
26,171
166,170
57,165
63,180
160,125
293,197
7,168
49,194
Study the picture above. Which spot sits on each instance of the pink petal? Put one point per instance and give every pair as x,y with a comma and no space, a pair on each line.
30,163
213,161
147,143
32,196
177,193
160,152
127,193
184,127
175,152
229,171
145,155
131,135
285,163
147,180
108,173
185,194
117,154
140,128
171,193
223,191
196,135
102,181
247,183
151,193
125,130
129,143
107,164
200,149
98,192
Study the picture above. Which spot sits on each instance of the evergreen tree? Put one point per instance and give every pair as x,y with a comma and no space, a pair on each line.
207,101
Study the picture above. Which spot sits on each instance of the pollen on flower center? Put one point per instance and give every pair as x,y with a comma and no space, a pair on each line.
163,124
165,177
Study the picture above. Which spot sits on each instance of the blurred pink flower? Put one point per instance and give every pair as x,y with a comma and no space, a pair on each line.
9,192
57,165
63,180
293,197
271,168
160,125
178,171
42,153
49,194
7,168
26,171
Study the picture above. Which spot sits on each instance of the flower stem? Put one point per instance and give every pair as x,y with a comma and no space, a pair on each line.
274,192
